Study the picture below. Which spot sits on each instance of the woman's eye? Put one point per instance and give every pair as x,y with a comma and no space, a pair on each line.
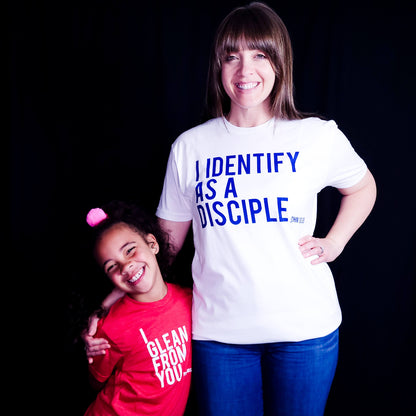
230,58
261,56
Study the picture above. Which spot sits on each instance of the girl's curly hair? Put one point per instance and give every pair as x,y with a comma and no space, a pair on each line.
140,221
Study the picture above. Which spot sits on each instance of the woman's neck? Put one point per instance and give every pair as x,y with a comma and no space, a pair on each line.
248,117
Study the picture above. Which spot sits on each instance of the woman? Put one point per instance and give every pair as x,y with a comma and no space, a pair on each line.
265,310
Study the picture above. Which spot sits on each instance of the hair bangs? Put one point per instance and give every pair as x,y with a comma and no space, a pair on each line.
245,30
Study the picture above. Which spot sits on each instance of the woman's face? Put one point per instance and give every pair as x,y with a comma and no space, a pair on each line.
248,79
130,262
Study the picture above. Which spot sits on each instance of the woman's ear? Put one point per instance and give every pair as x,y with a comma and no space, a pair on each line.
153,244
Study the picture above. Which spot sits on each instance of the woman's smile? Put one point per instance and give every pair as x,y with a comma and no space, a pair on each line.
246,85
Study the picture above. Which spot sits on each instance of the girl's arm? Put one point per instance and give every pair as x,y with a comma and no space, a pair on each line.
356,204
95,384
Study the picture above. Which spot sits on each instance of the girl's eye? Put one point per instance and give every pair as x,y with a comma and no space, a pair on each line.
131,250
261,56
110,268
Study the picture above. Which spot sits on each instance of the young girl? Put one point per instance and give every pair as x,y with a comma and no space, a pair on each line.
147,370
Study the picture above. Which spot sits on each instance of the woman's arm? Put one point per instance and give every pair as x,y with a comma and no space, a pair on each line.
97,346
177,231
356,204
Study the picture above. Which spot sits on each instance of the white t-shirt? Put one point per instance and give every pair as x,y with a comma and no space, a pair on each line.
251,194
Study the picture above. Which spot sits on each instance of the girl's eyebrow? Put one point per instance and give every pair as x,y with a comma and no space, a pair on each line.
121,249
107,261
125,245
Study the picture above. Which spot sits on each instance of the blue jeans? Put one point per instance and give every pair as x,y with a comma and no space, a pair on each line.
284,378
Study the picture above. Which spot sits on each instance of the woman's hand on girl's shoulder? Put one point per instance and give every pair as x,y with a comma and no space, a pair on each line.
93,346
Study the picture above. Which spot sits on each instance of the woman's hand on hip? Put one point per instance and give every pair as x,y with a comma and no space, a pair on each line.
324,250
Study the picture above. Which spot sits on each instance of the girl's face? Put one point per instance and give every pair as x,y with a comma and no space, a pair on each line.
130,262
248,79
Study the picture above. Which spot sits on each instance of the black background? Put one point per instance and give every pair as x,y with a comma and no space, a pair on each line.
98,91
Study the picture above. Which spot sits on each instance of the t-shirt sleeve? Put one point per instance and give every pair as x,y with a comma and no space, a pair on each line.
174,205
346,168
103,365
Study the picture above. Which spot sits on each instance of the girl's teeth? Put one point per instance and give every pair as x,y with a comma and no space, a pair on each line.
136,277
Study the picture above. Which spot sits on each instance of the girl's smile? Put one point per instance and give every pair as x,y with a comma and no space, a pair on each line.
135,279
130,262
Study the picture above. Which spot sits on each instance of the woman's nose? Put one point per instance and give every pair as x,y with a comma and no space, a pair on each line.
246,67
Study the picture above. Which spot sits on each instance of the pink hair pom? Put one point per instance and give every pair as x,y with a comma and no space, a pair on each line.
95,216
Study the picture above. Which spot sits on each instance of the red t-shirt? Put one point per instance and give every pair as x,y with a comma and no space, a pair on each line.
148,367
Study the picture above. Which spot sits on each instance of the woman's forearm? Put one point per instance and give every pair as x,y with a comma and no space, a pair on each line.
177,231
356,204
112,298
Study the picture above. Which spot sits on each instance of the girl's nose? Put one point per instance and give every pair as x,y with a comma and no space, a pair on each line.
127,268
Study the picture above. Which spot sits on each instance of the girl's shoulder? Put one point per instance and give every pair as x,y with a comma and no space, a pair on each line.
180,291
